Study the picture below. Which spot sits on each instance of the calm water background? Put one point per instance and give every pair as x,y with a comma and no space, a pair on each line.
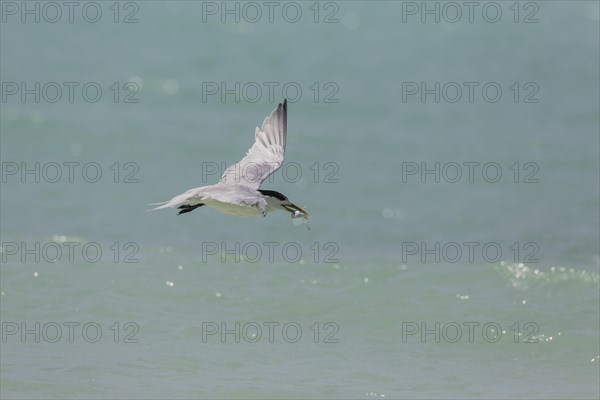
362,280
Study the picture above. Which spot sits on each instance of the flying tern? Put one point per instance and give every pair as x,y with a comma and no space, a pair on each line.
238,190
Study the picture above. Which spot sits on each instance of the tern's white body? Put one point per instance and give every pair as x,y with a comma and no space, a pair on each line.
238,191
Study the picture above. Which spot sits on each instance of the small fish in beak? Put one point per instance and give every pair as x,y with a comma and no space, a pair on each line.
299,214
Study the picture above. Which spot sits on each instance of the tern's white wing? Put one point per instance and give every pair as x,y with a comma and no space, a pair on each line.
266,154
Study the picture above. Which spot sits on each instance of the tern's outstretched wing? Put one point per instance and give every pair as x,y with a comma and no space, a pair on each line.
266,154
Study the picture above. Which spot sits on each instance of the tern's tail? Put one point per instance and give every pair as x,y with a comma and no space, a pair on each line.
163,204
182,199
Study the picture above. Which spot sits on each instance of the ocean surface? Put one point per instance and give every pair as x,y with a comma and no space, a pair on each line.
448,155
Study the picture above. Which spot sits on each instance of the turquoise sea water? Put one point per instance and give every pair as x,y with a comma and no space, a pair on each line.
477,286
